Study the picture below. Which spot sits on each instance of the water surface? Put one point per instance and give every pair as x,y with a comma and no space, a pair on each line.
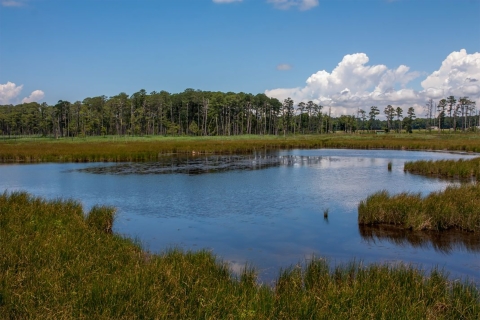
264,209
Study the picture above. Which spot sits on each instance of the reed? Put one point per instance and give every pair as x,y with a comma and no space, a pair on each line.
463,169
57,262
115,149
325,212
457,207
101,218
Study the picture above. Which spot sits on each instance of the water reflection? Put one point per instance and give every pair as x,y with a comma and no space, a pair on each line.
441,241
267,209
207,164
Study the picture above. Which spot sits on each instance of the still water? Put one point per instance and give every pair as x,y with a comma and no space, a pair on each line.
265,209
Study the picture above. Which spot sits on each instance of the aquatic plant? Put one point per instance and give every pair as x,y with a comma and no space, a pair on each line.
462,168
150,148
325,213
57,262
101,218
457,207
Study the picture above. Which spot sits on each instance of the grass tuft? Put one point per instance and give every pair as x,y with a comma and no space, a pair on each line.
54,264
455,208
101,218
462,169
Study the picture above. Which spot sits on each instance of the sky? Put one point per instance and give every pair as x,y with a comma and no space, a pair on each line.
343,54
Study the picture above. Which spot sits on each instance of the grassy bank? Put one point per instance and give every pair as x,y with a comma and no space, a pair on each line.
149,148
461,168
456,207
55,262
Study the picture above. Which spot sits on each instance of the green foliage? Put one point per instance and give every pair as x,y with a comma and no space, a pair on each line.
54,263
149,148
374,112
101,218
214,113
456,207
193,128
461,168
389,114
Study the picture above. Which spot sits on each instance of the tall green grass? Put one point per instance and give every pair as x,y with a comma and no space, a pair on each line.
116,149
446,168
457,207
58,263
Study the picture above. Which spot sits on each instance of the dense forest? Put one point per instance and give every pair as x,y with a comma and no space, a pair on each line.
205,113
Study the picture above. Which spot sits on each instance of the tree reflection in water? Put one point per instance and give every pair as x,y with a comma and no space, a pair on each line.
193,165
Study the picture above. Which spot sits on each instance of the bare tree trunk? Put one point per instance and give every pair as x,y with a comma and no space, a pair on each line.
205,117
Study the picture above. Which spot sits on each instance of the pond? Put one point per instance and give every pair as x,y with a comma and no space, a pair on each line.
266,210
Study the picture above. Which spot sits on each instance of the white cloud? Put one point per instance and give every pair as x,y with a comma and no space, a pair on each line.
226,1
9,91
35,96
12,3
354,84
284,67
459,75
288,4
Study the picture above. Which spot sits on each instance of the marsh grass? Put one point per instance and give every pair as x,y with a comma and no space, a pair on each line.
58,263
101,218
149,148
325,212
463,169
457,207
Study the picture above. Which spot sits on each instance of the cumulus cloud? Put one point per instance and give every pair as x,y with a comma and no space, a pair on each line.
284,67
459,75
289,4
354,84
226,1
9,91
35,96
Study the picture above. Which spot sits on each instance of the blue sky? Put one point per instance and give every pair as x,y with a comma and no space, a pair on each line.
73,49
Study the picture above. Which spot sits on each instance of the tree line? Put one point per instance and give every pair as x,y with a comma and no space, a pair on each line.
461,113
204,113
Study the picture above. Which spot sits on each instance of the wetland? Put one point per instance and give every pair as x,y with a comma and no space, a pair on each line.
265,209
